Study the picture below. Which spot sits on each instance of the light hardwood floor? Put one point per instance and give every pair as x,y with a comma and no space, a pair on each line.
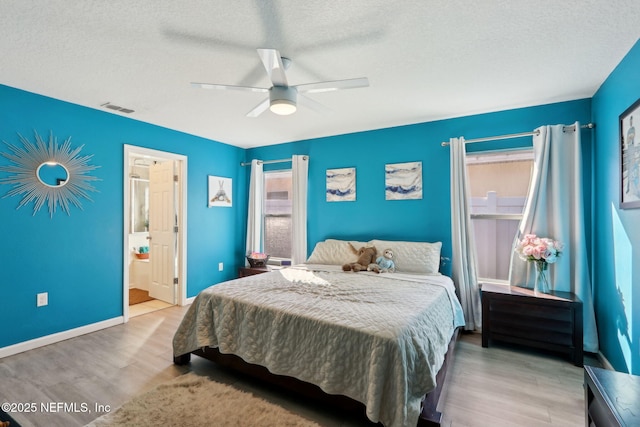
497,386
147,307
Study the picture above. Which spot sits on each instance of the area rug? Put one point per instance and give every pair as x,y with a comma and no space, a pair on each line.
195,401
136,296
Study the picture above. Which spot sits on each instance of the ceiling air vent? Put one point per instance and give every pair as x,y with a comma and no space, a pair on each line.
110,106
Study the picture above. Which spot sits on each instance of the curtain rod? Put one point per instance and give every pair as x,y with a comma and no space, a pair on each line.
267,162
519,135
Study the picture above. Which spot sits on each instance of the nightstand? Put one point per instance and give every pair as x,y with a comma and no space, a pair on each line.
521,316
250,271
611,398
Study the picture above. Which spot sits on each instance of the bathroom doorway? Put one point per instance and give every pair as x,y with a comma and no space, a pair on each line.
154,242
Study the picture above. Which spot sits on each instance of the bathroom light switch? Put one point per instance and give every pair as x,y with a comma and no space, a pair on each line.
220,266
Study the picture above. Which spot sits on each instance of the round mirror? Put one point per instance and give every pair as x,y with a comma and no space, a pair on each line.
52,174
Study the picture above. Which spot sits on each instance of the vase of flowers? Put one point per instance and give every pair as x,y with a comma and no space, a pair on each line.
541,251
541,283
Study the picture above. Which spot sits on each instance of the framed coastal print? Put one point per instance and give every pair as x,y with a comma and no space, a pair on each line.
341,185
219,191
630,158
403,181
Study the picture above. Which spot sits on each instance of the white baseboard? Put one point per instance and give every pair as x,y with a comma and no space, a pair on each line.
189,300
58,336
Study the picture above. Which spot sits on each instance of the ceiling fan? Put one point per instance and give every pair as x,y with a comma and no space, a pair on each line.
283,99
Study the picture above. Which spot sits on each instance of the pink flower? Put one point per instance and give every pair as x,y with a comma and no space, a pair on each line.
538,251
534,248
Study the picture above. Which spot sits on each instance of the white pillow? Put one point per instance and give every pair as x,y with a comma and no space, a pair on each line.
412,257
334,252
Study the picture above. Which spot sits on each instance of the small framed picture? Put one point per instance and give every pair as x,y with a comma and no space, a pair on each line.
403,181
630,158
219,191
341,185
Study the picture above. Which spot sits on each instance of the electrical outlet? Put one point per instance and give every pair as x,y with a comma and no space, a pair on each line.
42,299
220,266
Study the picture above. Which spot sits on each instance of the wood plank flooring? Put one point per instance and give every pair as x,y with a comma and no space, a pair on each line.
496,386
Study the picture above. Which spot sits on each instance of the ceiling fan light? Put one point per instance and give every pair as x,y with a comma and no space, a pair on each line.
283,107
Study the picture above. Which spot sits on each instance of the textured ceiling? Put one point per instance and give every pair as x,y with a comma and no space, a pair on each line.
425,59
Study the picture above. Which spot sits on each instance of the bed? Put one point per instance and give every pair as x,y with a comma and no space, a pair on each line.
376,339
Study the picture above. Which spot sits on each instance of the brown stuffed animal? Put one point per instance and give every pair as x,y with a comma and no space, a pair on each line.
366,256
5,423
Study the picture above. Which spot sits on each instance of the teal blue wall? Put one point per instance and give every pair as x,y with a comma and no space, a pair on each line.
78,259
371,216
617,237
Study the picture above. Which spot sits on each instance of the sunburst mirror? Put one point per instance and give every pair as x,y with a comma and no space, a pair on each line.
48,173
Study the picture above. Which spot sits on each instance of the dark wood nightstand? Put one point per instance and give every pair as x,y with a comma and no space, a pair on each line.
521,316
250,271
611,398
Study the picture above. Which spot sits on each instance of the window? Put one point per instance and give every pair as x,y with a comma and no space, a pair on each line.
499,183
277,214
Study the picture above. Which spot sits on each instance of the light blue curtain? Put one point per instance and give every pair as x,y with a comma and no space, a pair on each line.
300,174
555,209
254,214
463,246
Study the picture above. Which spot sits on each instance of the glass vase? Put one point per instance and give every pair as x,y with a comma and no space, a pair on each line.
542,277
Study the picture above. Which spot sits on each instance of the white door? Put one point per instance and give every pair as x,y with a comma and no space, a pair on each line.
162,232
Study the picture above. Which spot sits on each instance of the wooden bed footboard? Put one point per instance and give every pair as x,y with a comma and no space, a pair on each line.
429,416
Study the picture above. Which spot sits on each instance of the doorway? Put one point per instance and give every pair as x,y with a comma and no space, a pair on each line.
154,223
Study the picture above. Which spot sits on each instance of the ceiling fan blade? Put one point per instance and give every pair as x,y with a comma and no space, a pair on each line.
313,105
204,41
333,85
230,87
259,109
252,77
272,62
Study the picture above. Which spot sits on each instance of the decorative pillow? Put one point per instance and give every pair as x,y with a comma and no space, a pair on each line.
335,252
413,257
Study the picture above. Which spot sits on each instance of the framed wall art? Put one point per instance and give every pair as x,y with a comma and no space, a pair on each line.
220,191
341,185
403,181
630,158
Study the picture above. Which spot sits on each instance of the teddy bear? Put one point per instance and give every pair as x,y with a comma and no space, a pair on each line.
384,263
366,255
5,423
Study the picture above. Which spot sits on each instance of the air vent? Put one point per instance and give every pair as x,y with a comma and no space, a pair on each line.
110,106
